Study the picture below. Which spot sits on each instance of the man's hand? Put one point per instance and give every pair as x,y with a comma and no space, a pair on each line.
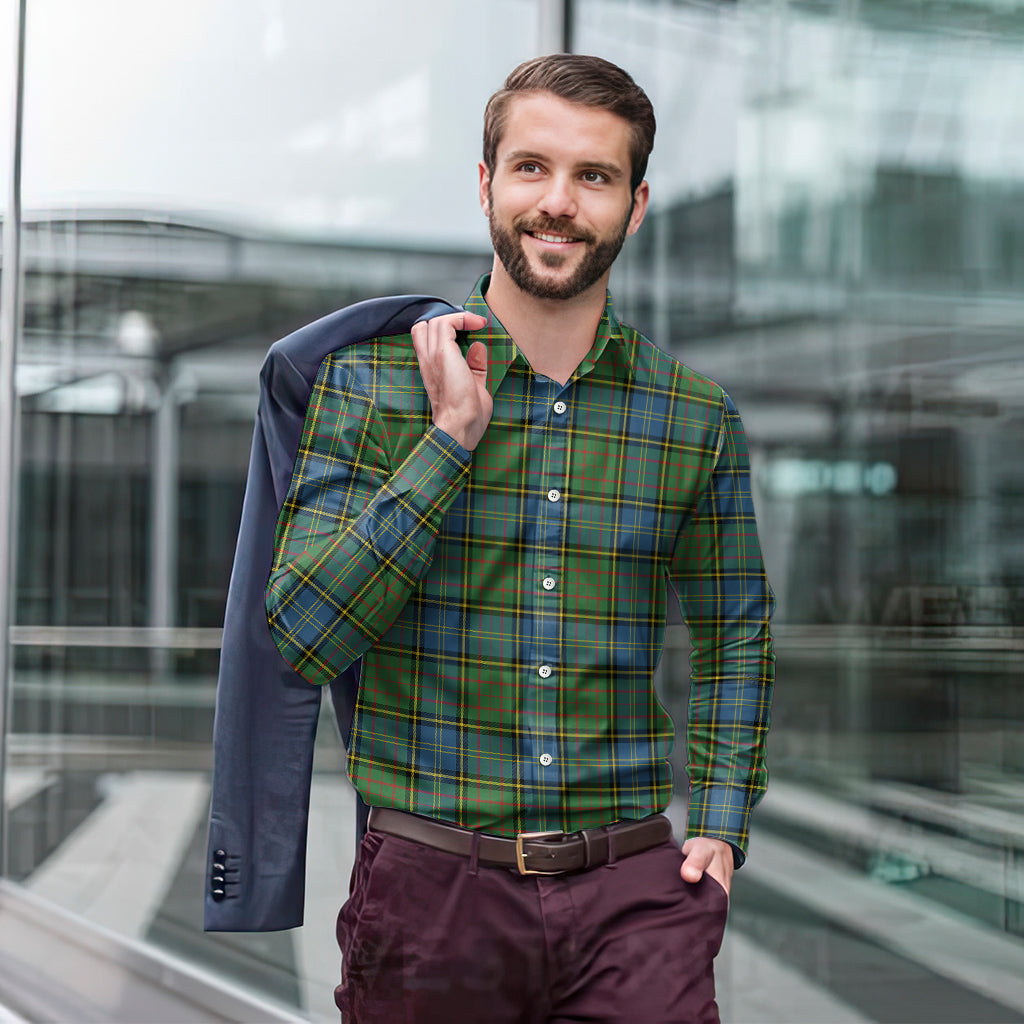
456,386
711,855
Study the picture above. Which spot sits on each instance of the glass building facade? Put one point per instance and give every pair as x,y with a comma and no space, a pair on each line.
836,235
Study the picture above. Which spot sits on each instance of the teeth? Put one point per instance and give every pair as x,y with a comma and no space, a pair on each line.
551,238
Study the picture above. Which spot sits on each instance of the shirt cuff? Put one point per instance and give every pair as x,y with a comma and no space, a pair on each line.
721,812
449,442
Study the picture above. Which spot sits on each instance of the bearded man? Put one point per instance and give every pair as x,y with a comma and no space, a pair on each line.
488,512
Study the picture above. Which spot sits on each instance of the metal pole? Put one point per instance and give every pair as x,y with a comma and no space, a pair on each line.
10,319
163,547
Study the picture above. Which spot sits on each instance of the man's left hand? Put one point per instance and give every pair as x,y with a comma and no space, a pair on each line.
711,855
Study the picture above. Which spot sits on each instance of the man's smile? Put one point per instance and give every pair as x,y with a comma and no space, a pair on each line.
545,237
552,232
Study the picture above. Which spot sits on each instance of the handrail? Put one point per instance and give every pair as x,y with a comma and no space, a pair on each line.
168,637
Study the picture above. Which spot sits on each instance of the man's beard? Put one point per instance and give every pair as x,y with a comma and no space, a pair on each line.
508,247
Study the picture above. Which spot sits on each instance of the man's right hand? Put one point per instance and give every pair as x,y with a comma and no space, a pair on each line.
456,385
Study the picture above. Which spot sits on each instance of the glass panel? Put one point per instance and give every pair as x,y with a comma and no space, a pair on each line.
8,55
836,236
8,26
201,178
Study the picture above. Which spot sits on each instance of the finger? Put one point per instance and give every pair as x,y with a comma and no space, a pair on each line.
477,358
691,871
463,320
438,328
447,325
695,863
472,321
441,331
419,336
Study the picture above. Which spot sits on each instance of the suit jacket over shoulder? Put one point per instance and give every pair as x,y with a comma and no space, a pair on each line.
266,714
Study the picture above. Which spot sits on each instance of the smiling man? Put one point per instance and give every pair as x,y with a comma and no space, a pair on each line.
488,512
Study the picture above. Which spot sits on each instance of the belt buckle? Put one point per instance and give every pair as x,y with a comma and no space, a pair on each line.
521,855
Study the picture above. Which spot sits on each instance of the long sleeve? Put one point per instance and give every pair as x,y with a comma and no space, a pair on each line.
355,534
727,603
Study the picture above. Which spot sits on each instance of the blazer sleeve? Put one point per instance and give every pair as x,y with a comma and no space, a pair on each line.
266,715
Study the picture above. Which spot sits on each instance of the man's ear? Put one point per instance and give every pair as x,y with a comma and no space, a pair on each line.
485,184
641,197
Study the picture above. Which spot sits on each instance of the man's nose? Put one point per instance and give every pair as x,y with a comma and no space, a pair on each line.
559,199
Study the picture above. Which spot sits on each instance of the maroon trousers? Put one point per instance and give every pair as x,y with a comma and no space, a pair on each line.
429,937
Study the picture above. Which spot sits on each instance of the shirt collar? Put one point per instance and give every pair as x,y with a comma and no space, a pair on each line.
610,351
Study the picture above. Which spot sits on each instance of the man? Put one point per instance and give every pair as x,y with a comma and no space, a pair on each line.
487,512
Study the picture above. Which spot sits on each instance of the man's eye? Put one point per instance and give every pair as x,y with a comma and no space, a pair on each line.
529,168
593,177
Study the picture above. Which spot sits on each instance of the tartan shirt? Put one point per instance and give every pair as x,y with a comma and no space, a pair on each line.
509,603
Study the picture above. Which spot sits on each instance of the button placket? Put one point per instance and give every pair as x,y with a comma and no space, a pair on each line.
547,565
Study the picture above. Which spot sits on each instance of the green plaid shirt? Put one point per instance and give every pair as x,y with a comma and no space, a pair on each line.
509,604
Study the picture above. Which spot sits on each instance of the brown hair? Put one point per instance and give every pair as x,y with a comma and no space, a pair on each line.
577,78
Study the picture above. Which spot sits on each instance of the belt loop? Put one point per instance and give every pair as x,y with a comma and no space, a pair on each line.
474,853
611,847
586,848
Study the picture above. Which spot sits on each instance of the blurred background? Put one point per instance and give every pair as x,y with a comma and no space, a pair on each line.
836,235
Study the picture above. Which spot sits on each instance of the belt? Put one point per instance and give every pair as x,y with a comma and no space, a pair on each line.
530,853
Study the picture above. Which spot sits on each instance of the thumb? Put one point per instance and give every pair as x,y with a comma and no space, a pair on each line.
695,863
476,357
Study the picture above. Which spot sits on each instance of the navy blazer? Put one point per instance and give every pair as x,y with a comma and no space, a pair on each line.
266,714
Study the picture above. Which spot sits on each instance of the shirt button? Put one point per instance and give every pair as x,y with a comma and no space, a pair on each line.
544,671
560,407
545,759
549,583
554,495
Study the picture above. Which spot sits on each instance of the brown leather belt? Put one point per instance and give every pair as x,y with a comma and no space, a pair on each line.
530,853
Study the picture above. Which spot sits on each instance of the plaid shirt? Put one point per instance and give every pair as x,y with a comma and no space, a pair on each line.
509,603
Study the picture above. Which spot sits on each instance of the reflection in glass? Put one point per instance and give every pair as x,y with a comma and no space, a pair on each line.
838,239
200,179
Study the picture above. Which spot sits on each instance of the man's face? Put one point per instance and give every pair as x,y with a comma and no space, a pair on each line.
559,203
